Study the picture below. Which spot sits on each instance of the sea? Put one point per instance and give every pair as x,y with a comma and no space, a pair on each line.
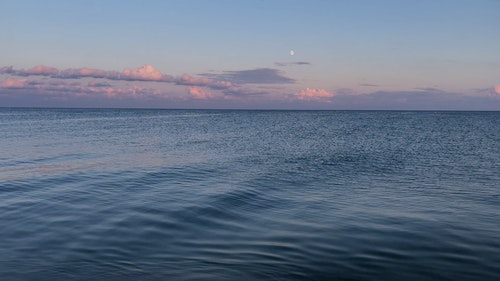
148,194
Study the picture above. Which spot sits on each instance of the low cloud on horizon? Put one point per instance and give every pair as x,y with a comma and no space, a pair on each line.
253,88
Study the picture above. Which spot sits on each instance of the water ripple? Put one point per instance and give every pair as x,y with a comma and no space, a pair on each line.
248,195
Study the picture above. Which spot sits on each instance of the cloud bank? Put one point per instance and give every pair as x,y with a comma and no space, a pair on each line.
253,88
144,73
97,83
147,72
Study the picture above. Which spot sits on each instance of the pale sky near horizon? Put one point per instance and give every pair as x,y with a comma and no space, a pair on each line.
361,54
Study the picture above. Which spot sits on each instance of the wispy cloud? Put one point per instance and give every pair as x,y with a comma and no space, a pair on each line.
88,72
429,90
74,89
147,72
105,83
368,85
189,80
241,92
491,91
224,81
144,73
282,64
39,70
431,99
198,82
254,76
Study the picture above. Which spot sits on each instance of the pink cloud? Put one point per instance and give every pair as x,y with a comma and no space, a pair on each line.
93,89
13,83
313,94
187,79
40,70
199,93
145,73
222,85
496,89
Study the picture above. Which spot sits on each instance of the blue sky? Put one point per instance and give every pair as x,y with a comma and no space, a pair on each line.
236,54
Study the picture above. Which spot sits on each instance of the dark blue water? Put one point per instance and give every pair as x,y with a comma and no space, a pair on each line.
249,195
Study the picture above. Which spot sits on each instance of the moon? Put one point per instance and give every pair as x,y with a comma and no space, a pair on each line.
292,52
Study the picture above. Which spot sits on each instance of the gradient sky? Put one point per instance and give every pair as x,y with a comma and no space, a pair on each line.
360,54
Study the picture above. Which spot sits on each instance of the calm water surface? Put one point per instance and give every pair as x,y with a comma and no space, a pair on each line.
249,195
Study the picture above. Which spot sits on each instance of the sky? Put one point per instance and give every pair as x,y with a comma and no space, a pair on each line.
272,54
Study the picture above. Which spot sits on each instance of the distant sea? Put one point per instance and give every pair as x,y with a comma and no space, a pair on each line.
130,194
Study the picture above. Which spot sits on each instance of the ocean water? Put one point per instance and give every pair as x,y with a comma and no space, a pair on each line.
116,194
